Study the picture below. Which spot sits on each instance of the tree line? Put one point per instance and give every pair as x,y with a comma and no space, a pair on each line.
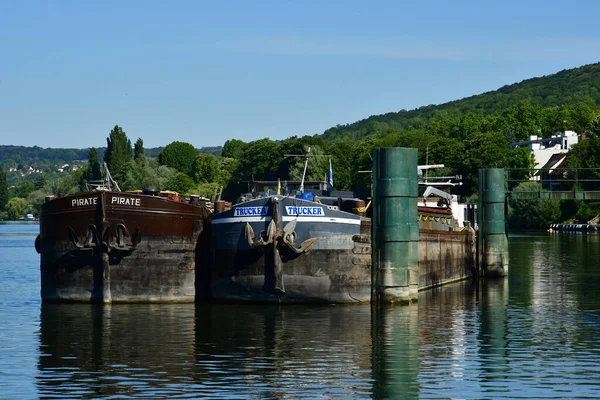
463,144
464,135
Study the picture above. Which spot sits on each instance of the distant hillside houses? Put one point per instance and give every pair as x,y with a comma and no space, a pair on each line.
25,171
28,170
549,153
76,164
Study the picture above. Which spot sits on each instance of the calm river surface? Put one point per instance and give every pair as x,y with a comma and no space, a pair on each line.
534,334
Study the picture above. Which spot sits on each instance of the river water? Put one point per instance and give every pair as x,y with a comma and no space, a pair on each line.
533,334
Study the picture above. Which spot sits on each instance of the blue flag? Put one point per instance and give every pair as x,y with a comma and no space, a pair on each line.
330,176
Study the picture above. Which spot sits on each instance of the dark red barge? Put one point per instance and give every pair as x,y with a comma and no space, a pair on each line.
109,246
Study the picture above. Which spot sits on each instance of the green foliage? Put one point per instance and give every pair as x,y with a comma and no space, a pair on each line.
233,148
565,88
3,190
317,167
464,135
164,175
16,207
522,158
180,183
44,159
35,200
482,150
520,121
587,211
586,154
214,150
93,172
533,213
23,189
138,149
230,170
140,175
569,208
343,153
593,128
206,168
118,153
178,155
207,190
260,160
62,186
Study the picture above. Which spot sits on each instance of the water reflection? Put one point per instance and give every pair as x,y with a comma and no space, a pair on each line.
395,348
228,351
102,351
532,334
276,352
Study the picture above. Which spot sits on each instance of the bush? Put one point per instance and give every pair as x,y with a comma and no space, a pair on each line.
533,213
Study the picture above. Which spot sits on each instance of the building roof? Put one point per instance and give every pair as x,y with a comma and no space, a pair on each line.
553,162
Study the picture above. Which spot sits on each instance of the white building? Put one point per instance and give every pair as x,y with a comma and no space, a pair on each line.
546,151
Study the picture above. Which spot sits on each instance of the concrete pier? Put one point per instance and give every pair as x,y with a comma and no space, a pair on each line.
493,244
395,231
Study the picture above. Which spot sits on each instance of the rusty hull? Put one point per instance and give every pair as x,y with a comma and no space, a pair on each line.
136,248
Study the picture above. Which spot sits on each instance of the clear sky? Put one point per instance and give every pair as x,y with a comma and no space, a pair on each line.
205,72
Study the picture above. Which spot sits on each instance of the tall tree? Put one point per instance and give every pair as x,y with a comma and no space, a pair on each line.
16,207
3,190
593,128
343,152
118,153
206,168
180,182
178,155
138,149
233,148
586,154
482,150
521,158
261,159
93,173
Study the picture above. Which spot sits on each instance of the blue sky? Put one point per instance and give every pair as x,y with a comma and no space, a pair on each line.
205,72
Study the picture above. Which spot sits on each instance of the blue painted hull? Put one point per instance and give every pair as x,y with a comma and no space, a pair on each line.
283,249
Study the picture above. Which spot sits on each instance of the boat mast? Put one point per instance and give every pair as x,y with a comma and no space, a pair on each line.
304,173
109,182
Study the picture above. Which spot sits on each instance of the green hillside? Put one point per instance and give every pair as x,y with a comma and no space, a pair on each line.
567,87
464,135
44,158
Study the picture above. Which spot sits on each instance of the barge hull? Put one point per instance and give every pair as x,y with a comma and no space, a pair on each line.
119,247
337,269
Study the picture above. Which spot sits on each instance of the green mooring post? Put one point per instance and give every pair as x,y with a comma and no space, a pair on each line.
395,226
493,244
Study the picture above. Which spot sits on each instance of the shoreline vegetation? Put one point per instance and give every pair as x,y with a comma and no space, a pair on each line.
464,135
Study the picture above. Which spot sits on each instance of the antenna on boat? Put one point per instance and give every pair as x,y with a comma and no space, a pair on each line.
306,157
304,173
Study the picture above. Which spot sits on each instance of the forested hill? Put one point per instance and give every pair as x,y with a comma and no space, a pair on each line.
11,156
571,86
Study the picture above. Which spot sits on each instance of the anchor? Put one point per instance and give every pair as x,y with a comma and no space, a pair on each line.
94,238
122,233
289,236
90,241
270,234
